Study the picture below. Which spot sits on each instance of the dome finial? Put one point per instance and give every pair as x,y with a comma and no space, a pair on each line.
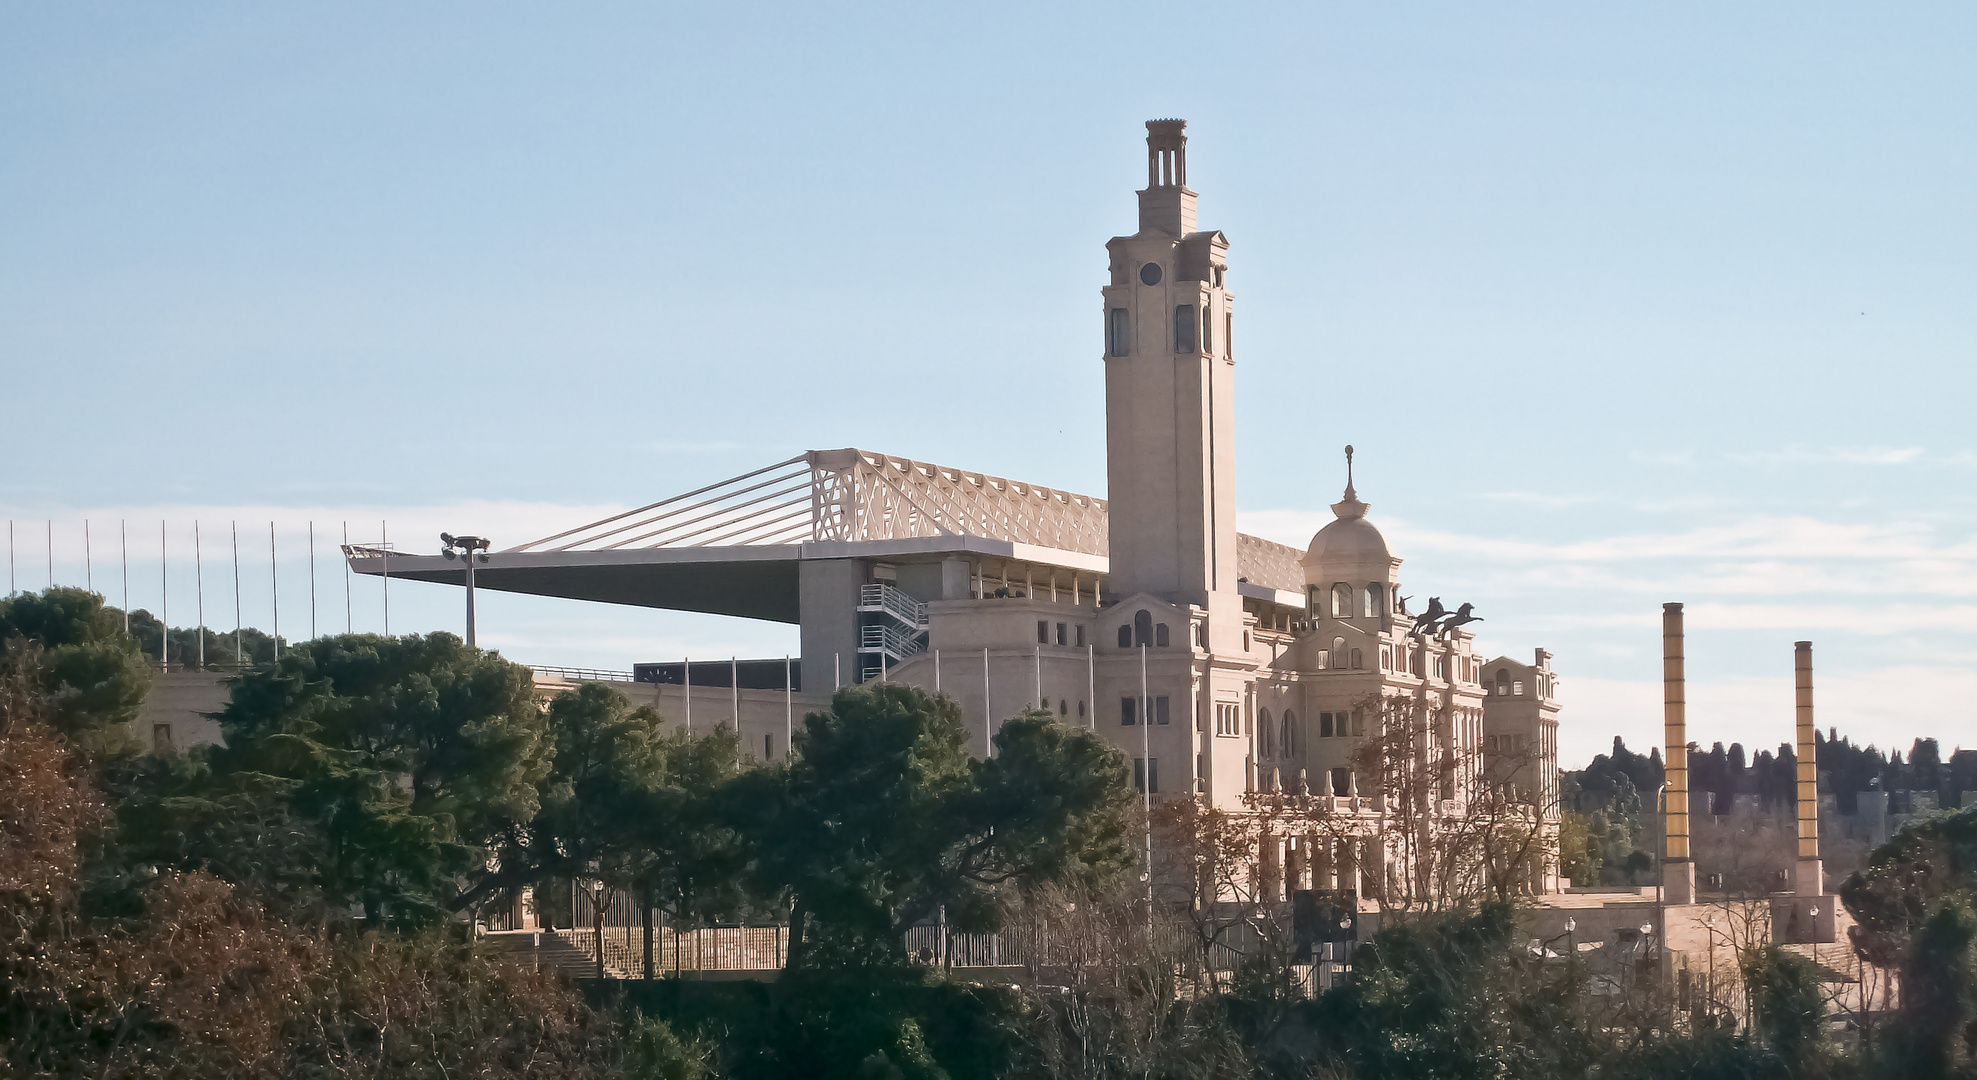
1350,506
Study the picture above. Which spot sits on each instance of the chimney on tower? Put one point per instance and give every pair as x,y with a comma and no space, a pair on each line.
1678,873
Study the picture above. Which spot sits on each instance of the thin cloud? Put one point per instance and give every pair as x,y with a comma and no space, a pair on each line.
1800,454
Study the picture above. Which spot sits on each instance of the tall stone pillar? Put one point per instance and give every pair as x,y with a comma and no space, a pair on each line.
1678,873
1811,879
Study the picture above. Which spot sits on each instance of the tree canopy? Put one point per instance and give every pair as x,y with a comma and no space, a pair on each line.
880,818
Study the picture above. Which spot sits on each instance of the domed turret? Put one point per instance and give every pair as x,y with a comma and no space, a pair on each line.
1351,548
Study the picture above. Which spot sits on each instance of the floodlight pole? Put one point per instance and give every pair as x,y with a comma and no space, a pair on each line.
468,549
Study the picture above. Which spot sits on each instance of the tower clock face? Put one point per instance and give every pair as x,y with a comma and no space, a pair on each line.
1150,274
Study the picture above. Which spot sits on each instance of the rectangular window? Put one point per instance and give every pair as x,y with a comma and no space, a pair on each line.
1160,710
1081,637
1118,333
1184,328
1060,633
1359,721
1207,329
1043,632
1127,710
768,746
1146,775
161,737
1324,725
1228,335
1225,719
1324,659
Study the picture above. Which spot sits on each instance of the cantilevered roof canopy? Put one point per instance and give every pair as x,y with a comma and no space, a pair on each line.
732,548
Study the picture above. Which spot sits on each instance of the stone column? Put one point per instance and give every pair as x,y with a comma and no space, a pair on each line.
1811,880
1678,873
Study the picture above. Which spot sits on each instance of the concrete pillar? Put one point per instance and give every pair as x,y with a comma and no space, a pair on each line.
1811,878
956,579
1678,873
827,592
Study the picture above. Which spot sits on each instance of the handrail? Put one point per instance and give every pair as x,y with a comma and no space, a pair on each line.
893,601
582,674
888,640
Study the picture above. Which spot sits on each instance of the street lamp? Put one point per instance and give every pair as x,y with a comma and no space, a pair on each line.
466,549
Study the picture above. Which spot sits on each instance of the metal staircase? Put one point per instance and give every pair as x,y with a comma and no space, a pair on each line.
894,625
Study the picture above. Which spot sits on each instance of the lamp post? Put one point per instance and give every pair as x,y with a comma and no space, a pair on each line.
467,549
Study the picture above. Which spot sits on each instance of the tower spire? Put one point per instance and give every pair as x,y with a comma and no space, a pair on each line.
1350,506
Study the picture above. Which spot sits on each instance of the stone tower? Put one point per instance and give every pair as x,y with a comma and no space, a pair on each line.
1169,385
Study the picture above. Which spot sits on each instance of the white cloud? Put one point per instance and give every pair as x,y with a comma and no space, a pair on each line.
1800,454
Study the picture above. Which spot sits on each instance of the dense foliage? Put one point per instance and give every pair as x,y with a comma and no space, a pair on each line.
297,902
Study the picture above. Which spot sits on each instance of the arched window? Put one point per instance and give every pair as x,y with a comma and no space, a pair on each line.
1142,628
1374,601
1339,655
1125,636
1341,601
1502,683
1267,736
1160,635
1184,329
1289,738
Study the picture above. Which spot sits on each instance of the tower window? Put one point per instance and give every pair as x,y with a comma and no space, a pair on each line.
1150,274
1184,328
1118,333
1208,328
1341,601
1374,601
1229,335
1142,628
1339,655
1160,635
1125,636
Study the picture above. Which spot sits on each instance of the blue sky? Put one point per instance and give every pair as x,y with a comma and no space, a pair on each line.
1619,306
